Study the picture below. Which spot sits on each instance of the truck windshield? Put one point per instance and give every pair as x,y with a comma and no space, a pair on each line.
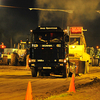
48,37
75,41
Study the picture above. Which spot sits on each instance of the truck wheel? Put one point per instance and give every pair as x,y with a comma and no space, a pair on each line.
64,72
34,72
14,59
39,73
5,61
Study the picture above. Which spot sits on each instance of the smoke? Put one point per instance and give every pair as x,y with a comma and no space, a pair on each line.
15,25
46,16
82,10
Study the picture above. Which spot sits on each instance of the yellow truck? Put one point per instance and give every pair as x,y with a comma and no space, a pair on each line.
77,51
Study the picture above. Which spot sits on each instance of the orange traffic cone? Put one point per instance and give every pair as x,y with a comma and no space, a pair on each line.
72,85
29,92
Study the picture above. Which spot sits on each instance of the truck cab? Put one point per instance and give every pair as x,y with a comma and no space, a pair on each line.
48,51
77,50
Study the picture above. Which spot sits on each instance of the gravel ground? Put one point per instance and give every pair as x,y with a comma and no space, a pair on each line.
14,81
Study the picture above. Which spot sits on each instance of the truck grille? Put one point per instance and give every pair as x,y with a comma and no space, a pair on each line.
47,54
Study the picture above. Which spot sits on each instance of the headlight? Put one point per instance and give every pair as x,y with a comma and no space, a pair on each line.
29,60
73,47
61,60
58,45
61,64
40,60
64,60
33,60
67,58
34,45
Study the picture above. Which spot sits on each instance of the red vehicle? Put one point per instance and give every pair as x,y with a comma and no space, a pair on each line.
3,59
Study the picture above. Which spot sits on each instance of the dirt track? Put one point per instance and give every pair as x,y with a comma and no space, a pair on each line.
14,81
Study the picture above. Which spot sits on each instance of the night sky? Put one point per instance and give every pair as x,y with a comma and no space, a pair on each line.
15,23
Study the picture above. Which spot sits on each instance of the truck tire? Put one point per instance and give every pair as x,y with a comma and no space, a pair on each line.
4,60
39,73
64,73
14,59
34,72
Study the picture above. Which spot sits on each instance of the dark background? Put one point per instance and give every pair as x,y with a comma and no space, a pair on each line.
15,23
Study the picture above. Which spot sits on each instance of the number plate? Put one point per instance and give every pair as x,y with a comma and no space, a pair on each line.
32,64
46,67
